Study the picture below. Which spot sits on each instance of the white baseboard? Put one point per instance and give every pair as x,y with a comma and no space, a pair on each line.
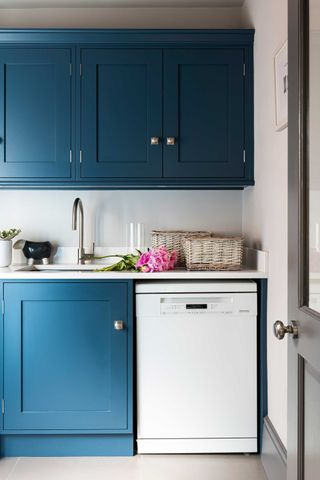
197,445
274,454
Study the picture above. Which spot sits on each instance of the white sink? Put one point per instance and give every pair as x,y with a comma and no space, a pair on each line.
67,267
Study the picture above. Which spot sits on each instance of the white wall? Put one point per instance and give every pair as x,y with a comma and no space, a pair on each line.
46,215
121,18
265,205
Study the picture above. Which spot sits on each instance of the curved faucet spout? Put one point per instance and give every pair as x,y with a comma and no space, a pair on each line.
77,205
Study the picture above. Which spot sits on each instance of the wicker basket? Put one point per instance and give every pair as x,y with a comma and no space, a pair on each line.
173,240
213,253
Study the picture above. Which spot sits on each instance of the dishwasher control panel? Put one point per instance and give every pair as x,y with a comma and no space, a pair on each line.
235,304
240,303
197,305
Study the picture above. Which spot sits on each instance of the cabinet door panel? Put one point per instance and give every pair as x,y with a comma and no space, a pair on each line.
35,114
204,111
65,364
121,99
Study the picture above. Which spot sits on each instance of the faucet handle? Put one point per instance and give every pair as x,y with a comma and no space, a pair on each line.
88,257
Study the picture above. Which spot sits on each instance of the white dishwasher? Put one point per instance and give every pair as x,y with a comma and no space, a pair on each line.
196,366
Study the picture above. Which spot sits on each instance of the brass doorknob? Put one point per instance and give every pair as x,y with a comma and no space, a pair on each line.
279,329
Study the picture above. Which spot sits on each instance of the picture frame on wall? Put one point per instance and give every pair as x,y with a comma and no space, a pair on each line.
281,87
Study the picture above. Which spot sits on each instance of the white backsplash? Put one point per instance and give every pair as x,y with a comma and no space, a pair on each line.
46,215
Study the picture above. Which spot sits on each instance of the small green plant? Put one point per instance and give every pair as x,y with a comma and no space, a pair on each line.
9,234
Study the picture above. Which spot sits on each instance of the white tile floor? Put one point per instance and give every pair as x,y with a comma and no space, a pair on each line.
140,467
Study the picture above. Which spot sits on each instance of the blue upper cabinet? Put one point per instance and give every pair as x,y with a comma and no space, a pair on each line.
65,365
35,114
204,113
121,109
126,108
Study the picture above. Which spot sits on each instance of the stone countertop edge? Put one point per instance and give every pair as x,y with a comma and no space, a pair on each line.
178,274
255,267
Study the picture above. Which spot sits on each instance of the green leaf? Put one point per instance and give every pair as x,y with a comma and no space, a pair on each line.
9,234
127,263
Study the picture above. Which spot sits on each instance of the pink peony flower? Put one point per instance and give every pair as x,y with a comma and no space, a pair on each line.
157,260
143,260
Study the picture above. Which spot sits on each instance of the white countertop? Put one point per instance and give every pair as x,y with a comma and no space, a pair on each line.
178,274
256,262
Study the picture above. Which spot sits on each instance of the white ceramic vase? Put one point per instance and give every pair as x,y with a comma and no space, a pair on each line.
5,253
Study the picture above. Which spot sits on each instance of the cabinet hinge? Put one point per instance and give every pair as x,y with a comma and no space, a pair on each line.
2,406
80,156
70,156
70,69
244,69
244,156
80,69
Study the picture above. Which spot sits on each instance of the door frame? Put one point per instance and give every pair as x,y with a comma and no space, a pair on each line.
296,170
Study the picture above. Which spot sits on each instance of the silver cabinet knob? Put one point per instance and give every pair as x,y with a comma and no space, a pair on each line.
118,325
171,140
155,140
280,330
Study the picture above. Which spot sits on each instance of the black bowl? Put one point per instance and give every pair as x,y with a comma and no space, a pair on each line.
37,250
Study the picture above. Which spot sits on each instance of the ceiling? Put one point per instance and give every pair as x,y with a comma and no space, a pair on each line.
118,3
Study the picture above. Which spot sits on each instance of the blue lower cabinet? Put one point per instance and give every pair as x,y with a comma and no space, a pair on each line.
67,369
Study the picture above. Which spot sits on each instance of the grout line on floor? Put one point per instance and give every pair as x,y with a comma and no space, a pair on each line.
13,468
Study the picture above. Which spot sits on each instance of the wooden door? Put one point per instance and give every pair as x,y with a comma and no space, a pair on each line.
304,248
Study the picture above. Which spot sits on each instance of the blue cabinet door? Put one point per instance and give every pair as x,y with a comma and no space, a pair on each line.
65,365
204,113
35,114
121,109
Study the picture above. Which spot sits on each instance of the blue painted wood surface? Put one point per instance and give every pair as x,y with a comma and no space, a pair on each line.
262,357
66,445
145,38
121,109
65,366
121,105
35,113
249,114
204,111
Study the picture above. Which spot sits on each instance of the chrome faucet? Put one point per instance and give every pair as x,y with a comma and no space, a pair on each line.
77,205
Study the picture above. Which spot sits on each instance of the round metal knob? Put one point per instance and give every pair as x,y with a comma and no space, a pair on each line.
280,330
118,325
155,140
171,140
